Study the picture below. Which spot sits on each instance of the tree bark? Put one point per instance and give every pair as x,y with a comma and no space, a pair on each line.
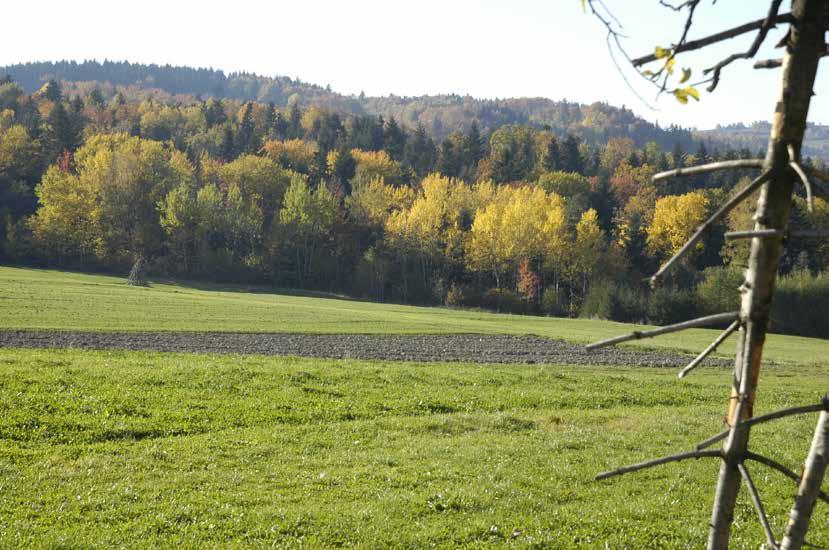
805,45
809,488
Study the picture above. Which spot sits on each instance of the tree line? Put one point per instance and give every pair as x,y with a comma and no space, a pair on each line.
517,219
440,115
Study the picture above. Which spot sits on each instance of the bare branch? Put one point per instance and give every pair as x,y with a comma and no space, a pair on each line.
612,37
782,413
774,63
753,233
774,465
693,323
810,199
769,22
714,38
658,462
813,472
717,216
710,349
810,233
711,167
819,190
768,64
758,505
679,7
798,233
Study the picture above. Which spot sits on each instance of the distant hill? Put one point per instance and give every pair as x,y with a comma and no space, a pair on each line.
440,115
755,137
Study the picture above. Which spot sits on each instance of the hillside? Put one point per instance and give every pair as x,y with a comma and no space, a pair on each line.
440,115
755,137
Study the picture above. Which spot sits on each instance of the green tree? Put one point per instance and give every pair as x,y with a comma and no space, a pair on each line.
307,217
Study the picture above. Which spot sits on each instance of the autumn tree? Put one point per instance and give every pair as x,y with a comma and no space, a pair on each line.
306,218
674,220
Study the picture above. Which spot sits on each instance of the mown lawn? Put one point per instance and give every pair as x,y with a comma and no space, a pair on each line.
102,449
42,299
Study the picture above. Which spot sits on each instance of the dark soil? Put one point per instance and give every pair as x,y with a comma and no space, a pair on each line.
458,347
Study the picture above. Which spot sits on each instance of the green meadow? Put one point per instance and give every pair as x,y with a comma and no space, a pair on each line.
147,450
42,299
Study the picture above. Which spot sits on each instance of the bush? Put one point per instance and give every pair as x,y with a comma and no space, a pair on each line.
800,305
455,296
667,306
503,301
552,303
606,300
717,293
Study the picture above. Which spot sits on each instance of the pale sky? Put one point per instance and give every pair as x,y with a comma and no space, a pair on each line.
485,48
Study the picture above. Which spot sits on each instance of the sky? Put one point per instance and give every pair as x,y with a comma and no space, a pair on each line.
484,48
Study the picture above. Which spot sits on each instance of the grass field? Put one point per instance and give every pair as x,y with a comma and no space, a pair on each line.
42,299
141,450
145,450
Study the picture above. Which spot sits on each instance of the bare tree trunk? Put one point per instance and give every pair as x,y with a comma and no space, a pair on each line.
805,44
138,273
809,487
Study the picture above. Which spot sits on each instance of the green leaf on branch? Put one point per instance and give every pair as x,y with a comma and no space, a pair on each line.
686,74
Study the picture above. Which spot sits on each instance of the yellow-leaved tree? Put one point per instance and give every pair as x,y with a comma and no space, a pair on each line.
432,229
675,218
587,250
518,224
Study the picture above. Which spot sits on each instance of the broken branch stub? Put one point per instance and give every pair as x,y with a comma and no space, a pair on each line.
710,349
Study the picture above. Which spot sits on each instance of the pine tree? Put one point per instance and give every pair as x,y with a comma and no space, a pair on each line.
473,147
552,156
270,118
62,134
280,127
245,142
52,91
96,98
394,140
678,156
228,148
420,152
702,156
571,160
214,112
344,169
448,161
295,122
77,119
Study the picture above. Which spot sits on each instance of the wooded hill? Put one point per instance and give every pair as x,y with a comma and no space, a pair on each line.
440,115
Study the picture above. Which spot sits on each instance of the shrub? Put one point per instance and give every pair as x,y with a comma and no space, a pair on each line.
455,296
800,305
668,305
717,292
503,301
607,300
552,303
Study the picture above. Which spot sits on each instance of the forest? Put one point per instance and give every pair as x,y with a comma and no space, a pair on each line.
520,217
